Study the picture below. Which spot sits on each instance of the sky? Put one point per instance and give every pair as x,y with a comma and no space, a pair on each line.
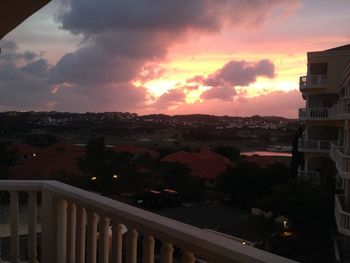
221,57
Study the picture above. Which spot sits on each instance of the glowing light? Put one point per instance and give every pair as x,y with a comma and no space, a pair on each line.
116,177
93,178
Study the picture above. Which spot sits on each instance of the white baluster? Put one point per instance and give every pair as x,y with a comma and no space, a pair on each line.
32,226
80,235
167,253
188,257
131,256
71,226
148,249
117,243
103,240
14,226
61,231
47,227
91,237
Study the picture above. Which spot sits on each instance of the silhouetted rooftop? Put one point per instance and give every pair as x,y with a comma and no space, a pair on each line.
340,48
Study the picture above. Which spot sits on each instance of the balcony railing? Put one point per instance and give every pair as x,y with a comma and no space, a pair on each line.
312,81
339,182
342,161
311,176
341,110
315,113
341,217
75,227
320,146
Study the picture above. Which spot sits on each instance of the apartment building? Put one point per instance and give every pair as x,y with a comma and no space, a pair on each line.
326,139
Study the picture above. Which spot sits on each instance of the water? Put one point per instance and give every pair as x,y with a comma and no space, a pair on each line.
267,153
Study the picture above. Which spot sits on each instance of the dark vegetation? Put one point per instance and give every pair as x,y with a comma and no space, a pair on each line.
273,189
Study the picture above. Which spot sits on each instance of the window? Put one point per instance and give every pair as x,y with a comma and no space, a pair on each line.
318,68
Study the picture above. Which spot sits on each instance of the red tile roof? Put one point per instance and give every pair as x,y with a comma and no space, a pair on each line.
205,164
48,162
135,150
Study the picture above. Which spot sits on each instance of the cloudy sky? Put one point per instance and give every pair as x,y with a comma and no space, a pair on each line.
222,57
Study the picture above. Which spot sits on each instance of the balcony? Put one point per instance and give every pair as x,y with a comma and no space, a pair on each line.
310,176
315,113
339,182
341,109
316,146
80,226
312,81
342,218
342,161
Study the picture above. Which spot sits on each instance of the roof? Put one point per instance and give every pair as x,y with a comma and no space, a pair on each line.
14,12
205,164
49,162
135,150
340,48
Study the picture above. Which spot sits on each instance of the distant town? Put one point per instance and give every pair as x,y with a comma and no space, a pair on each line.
246,133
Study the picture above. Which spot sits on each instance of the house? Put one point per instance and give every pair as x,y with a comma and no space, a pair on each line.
205,164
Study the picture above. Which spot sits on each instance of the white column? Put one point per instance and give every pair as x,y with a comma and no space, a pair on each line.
61,238
131,256
14,226
47,228
167,253
71,227
117,242
103,240
148,249
91,237
32,208
188,257
80,235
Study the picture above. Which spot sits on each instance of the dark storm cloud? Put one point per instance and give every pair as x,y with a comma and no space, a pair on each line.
235,73
92,16
120,38
22,79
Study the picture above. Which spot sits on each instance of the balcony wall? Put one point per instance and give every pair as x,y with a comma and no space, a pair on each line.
317,146
312,81
311,176
315,113
80,226
342,161
342,218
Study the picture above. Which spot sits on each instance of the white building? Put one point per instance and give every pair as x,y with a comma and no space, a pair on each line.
326,140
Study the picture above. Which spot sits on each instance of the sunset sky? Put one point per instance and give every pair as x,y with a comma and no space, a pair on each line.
222,57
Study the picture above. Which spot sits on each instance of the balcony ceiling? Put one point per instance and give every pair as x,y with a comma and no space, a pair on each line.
14,12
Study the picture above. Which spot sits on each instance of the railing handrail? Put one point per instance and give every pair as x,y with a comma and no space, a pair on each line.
339,205
206,244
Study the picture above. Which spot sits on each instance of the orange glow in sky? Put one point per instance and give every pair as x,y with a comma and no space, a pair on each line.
242,58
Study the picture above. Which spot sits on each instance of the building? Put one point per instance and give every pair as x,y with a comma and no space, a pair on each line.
326,139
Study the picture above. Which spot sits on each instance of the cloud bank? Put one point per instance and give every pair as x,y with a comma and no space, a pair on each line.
121,39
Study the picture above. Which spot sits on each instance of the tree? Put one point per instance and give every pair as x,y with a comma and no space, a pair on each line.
306,206
297,157
229,152
100,165
6,160
242,183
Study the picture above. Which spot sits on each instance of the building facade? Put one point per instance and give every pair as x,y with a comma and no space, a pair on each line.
326,138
